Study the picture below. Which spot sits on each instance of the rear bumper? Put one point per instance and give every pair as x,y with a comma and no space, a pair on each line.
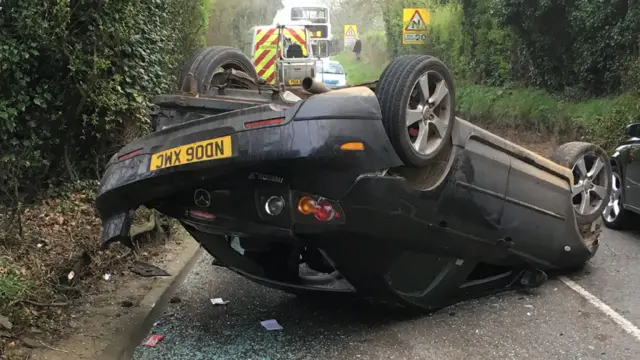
306,141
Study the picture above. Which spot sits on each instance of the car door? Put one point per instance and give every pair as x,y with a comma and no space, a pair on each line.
631,174
628,154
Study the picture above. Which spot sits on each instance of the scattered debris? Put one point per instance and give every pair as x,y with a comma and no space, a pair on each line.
175,300
153,340
529,306
60,260
219,301
528,314
271,325
106,276
147,270
5,323
126,304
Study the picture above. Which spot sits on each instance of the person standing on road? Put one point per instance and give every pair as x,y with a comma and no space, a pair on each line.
357,48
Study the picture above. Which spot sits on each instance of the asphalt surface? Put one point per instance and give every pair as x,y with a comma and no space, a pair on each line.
553,322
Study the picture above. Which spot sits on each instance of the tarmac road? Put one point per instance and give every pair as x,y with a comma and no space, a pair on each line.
555,322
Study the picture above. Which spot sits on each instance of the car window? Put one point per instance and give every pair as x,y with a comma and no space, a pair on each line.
329,68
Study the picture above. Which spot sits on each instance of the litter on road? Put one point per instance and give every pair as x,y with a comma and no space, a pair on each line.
219,301
271,325
153,340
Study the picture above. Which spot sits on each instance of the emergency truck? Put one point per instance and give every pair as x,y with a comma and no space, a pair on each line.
274,62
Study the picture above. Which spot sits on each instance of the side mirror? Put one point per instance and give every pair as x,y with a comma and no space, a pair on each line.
633,130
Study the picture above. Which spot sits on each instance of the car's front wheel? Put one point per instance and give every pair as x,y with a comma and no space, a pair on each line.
614,215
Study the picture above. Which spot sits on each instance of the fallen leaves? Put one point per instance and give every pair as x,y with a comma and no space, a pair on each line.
59,234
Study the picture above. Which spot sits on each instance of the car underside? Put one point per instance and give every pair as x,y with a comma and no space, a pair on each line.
375,190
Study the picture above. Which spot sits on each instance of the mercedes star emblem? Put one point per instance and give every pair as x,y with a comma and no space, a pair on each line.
202,198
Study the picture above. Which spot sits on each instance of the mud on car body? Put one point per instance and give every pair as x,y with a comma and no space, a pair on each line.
375,190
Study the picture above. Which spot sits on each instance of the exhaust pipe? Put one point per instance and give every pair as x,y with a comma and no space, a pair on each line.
313,86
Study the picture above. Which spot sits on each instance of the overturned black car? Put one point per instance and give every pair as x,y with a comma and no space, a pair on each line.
376,190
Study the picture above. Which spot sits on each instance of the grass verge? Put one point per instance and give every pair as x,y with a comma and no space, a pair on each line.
596,120
367,69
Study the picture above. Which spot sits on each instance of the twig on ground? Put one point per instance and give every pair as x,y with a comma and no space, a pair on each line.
35,303
52,348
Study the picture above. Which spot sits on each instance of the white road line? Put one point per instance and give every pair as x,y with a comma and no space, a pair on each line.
617,318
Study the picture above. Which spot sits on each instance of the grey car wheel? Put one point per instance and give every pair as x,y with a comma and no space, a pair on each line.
615,216
428,113
417,100
591,186
590,189
614,206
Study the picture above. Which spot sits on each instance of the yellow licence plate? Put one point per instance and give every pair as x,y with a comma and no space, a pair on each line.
295,82
212,149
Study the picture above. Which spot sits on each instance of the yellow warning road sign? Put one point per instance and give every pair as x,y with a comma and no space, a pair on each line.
350,34
350,31
414,26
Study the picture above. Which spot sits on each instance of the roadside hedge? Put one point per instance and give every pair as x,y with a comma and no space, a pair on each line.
576,48
571,67
76,77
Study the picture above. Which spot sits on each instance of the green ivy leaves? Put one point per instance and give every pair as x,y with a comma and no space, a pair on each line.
76,76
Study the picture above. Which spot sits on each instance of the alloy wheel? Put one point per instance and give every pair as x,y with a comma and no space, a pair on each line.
614,206
590,184
428,112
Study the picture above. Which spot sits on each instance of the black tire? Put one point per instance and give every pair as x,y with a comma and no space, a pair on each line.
624,217
395,90
195,59
401,58
383,87
204,63
568,155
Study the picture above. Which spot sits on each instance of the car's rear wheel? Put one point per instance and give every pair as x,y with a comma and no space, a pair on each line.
205,63
417,100
614,215
592,176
